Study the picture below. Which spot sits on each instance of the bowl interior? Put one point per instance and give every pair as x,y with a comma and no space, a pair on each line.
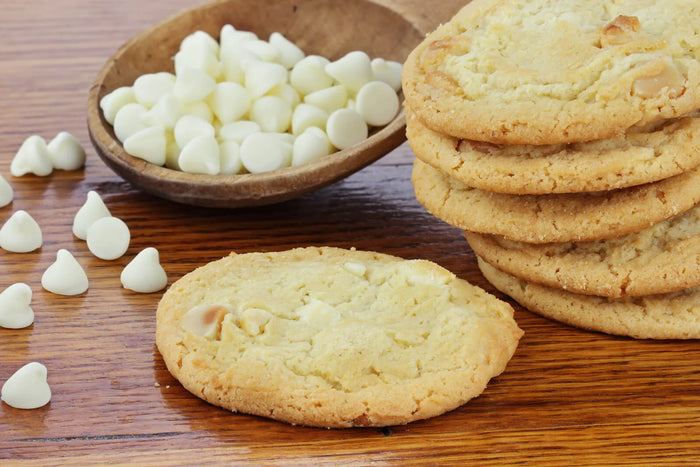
329,28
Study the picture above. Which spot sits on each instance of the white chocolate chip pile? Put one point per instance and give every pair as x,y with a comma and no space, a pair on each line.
27,388
36,157
107,237
20,233
15,312
65,276
243,104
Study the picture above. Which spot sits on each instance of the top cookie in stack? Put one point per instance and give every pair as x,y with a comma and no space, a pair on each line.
556,71
562,121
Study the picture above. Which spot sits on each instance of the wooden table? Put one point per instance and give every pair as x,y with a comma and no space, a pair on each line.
567,397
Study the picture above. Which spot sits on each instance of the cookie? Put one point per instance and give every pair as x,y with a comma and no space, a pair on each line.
556,71
660,259
556,217
640,156
333,338
666,316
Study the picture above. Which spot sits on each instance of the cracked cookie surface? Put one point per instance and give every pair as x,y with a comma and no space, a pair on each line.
674,315
663,258
554,217
332,337
556,71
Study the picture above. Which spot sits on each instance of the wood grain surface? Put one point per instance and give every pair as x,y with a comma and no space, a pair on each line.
568,397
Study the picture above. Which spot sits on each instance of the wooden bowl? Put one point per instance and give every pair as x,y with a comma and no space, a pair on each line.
329,28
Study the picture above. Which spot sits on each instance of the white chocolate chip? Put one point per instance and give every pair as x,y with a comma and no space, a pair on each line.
150,87
232,38
200,40
32,157
287,92
65,276
20,233
230,157
307,115
357,269
6,192
149,144
353,70
200,156
260,77
262,49
377,102
172,153
93,208
189,127
309,74
198,57
253,320
205,320
193,84
66,152
130,119
329,99
388,71
27,388
230,101
310,146
289,52
235,61
198,109
238,131
166,111
15,312
232,70
273,114
346,127
115,100
144,274
263,152
108,238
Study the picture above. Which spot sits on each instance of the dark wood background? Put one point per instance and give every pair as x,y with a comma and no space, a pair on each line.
567,397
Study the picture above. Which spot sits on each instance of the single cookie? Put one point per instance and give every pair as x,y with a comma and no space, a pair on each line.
333,338
660,259
666,316
557,217
640,156
556,71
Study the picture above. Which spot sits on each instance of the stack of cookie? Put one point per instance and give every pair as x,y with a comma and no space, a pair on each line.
563,137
